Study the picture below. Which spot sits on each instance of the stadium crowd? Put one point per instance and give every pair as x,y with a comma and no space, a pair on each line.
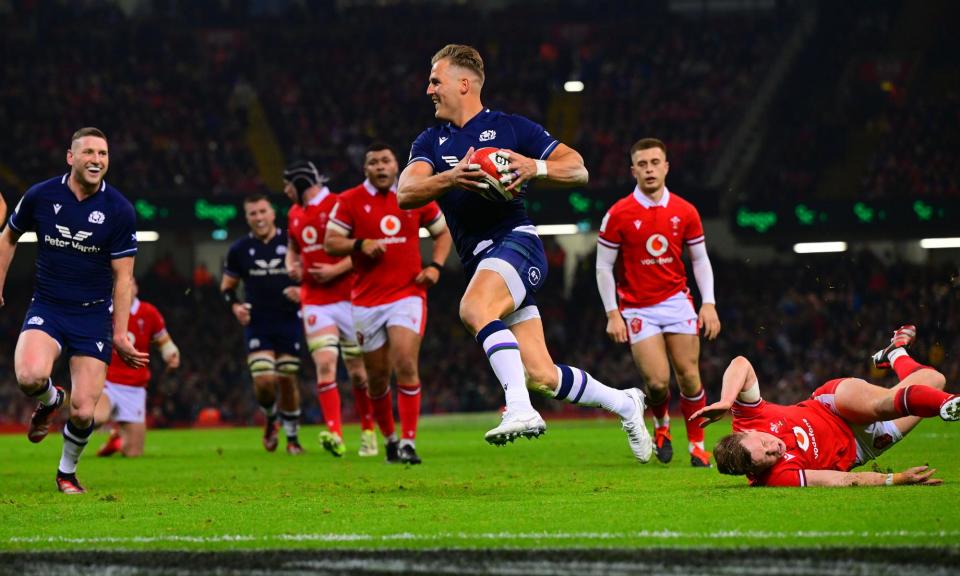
172,92
800,323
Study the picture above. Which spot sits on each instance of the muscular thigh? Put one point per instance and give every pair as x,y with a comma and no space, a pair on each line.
87,375
683,351
650,358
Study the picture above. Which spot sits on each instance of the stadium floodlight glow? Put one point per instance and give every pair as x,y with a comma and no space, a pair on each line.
573,86
931,243
557,229
819,247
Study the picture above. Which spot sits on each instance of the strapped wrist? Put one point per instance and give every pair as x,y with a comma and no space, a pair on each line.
358,245
541,168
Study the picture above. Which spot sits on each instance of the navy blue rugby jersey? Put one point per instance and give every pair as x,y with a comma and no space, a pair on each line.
472,218
262,268
78,239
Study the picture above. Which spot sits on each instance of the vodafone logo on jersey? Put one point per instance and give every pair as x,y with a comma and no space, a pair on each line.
657,244
803,441
390,225
309,234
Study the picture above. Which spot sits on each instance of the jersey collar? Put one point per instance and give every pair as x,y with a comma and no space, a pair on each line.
319,196
642,199
103,183
476,118
372,190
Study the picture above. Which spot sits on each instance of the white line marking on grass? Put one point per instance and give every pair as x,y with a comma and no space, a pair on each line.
468,536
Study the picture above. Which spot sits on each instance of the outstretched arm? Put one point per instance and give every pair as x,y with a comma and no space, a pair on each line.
739,383
834,478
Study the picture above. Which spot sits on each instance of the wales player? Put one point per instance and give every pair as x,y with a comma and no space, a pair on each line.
86,232
499,246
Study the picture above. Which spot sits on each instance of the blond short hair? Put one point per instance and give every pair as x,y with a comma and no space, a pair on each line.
463,56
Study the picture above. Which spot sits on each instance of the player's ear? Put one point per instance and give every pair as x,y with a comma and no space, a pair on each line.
70,156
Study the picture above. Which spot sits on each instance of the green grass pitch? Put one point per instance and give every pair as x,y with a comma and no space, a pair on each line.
576,487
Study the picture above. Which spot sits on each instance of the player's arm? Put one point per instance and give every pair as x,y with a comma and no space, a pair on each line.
122,300
228,288
835,478
442,241
8,245
739,384
418,184
563,166
337,242
168,350
3,212
707,319
607,286
292,260
324,273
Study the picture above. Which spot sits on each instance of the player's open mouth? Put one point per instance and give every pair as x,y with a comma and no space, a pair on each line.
93,169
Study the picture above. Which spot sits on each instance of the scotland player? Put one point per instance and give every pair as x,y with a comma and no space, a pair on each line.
271,328
499,246
87,237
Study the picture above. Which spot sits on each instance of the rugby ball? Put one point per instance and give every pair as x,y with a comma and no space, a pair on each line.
490,164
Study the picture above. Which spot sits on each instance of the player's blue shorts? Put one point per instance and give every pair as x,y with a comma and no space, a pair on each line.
520,260
281,335
79,330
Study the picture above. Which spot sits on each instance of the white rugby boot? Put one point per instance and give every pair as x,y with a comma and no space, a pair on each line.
636,429
950,410
514,424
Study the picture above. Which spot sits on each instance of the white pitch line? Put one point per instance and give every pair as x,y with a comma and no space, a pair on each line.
467,536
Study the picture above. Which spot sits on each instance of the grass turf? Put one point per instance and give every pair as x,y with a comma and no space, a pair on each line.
578,486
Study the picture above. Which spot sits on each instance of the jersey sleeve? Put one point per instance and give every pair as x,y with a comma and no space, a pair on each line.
532,140
429,213
158,326
422,149
744,414
342,216
610,233
783,474
21,219
693,232
232,266
123,241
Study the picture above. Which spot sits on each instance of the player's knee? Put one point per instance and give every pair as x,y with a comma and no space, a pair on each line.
358,379
473,315
82,411
407,370
933,378
31,379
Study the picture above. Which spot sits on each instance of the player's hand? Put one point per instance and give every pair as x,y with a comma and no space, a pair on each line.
173,362
242,312
292,293
467,176
324,273
708,321
295,272
711,413
920,475
616,327
518,170
130,355
428,277
373,248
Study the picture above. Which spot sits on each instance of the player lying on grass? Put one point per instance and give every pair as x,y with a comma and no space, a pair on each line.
844,424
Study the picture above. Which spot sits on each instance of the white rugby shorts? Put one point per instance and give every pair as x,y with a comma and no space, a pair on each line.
371,322
129,402
675,315
338,314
